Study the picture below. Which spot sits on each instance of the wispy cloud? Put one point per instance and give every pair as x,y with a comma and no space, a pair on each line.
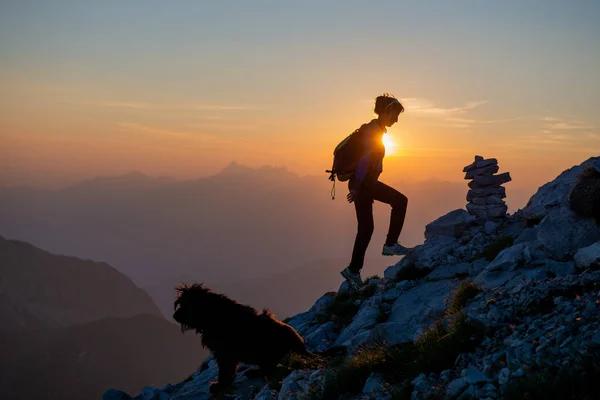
180,106
132,127
453,117
424,106
558,135
551,124
124,104
223,126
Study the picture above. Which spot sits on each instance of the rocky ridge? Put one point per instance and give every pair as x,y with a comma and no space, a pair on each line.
510,306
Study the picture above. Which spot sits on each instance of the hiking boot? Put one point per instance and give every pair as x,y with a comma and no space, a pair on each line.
395,250
353,278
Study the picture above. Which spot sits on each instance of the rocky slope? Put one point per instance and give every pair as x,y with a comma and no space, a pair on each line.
507,307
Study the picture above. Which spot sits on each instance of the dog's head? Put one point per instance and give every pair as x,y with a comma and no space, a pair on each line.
188,306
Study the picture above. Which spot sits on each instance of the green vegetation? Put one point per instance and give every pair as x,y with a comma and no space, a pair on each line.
435,350
466,290
494,248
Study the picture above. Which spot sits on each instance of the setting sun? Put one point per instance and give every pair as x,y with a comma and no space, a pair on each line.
388,142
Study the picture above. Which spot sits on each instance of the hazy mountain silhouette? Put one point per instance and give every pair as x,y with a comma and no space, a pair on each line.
284,293
83,361
39,289
71,328
240,224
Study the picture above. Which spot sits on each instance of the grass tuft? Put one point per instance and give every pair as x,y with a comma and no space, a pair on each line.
435,350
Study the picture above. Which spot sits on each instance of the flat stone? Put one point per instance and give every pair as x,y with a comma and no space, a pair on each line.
480,162
487,170
487,200
492,180
498,192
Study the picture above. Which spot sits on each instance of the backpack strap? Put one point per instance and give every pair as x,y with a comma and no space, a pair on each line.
331,173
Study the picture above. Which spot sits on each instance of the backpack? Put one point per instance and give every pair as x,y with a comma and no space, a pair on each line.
346,156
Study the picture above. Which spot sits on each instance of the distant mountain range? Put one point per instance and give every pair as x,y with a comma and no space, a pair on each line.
42,290
240,225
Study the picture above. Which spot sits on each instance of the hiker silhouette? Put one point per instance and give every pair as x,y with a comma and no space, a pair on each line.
364,188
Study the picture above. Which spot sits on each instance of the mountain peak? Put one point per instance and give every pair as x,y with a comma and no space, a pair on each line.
235,169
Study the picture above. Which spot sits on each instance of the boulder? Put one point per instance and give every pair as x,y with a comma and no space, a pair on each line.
321,337
421,305
502,268
452,224
584,197
563,232
390,333
556,193
323,303
365,319
304,322
588,257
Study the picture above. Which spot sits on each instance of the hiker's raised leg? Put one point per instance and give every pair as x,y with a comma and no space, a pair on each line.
399,202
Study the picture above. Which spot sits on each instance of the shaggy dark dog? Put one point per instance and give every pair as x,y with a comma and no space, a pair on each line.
584,197
234,332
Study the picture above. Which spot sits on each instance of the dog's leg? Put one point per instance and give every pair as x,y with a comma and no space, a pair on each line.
227,371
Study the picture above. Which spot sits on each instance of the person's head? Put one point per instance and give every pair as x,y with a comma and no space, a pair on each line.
388,108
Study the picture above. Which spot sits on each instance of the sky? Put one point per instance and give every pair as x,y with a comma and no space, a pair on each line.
184,88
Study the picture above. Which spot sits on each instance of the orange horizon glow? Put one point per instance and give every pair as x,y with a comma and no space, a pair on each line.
96,99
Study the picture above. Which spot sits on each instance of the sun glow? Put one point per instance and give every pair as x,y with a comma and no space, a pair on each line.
388,142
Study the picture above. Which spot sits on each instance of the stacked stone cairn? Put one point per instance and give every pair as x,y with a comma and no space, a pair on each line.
486,194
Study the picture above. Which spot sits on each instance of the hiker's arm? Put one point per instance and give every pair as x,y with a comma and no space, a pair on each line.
363,165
